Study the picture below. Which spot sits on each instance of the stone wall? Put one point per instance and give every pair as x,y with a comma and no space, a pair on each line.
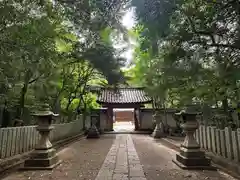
19,140
222,142
167,118
146,119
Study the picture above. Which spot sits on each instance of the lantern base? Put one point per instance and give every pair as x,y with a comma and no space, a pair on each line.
93,132
42,160
158,132
194,163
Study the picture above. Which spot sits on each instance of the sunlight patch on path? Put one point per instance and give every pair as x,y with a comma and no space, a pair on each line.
123,126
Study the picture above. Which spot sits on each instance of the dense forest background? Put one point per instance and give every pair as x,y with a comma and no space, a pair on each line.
185,52
52,51
188,51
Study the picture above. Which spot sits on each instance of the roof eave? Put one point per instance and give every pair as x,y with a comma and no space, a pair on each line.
143,102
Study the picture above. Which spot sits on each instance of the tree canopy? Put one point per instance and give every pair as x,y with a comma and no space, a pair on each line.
51,50
188,51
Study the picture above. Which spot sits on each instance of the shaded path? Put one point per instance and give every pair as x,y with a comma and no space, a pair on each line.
118,157
81,161
157,162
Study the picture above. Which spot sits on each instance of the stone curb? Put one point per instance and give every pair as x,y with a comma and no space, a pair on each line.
221,163
13,163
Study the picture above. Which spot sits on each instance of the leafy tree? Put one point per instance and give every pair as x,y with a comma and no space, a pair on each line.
188,51
50,51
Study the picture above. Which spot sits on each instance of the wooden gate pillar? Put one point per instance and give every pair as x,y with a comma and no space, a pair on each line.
110,118
136,118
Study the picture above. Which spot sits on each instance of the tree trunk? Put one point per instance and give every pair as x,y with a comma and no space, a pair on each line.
5,116
226,109
225,105
68,104
24,89
56,106
20,112
84,115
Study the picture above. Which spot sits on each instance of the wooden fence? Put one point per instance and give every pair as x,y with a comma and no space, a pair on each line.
18,140
222,142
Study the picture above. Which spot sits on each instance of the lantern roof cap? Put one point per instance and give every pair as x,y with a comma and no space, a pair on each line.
190,109
45,111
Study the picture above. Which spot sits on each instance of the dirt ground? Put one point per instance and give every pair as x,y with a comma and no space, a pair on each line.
81,160
157,163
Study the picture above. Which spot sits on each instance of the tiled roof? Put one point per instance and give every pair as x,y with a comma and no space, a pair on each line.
123,96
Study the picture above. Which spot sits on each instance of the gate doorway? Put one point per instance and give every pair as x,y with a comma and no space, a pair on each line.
123,120
122,98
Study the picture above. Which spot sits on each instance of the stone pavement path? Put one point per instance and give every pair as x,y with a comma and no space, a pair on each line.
122,162
118,157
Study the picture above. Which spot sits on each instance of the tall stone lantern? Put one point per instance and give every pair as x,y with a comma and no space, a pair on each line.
190,156
159,130
44,156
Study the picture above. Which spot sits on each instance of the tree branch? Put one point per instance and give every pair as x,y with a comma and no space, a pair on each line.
35,79
216,45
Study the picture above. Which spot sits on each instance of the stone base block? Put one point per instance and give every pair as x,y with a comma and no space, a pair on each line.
93,133
43,154
192,153
100,131
41,164
200,163
158,134
158,131
200,155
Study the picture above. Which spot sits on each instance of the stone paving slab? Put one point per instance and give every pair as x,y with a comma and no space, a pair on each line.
127,165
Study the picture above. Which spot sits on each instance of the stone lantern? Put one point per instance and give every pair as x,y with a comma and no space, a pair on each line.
159,130
93,131
44,156
190,156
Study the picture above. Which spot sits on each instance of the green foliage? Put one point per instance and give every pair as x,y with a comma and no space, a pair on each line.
188,51
50,52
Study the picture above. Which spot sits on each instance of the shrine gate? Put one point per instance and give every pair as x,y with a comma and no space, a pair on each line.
110,98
